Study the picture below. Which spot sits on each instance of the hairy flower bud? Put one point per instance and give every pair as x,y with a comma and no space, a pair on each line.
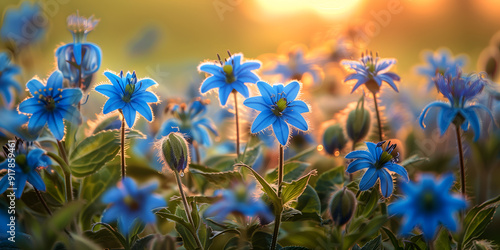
175,151
334,139
342,206
358,122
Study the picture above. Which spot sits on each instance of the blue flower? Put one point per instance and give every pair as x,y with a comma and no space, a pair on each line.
191,122
228,76
428,203
278,108
379,163
24,25
459,90
239,200
371,72
128,203
51,104
26,165
294,65
440,62
79,60
128,95
7,81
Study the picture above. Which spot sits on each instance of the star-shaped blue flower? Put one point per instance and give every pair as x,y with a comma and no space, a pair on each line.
80,59
129,202
379,163
459,90
191,122
129,95
23,26
294,65
7,81
50,104
278,108
228,76
371,71
26,165
440,62
428,203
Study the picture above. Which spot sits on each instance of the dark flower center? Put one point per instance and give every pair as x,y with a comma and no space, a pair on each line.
50,103
228,70
280,106
23,163
428,201
131,203
129,90
386,155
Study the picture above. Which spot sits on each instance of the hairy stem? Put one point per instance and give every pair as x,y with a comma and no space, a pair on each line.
186,208
44,203
122,141
236,117
461,159
277,221
66,170
379,122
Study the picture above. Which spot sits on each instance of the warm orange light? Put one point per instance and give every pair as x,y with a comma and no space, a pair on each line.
319,148
328,8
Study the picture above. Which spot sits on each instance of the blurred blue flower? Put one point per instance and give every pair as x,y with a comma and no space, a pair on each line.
371,71
191,122
128,95
228,76
79,60
7,81
380,164
440,62
294,65
24,25
51,104
26,164
14,123
428,203
278,108
239,200
459,90
129,202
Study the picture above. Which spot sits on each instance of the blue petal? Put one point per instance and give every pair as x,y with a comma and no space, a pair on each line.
70,113
361,80
372,148
281,131
56,125
21,183
171,125
107,90
210,68
358,165
400,170
69,96
30,106
263,120
113,104
211,83
37,122
386,184
368,179
36,180
4,184
111,214
208,124
112,195
248,66
77,52
424,112
116,81
266,91
384,64
292,90
361,154
388,80
146,83
445,117
55,80
143,109
471,116
241,88
257,103
129,114
34,85
145,96
224,93
295,119
298,106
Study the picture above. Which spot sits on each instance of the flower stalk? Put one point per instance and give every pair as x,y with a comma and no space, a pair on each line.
236,117
379,122
461,159
67,173
122,145
277,222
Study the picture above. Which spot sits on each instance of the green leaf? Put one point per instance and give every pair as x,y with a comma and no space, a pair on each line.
186,232
327,183
442,241
221,162
271,193
143,243
101,124
220,179
65,215
365,230
55,185
478,218
309,201
177,219
104,238
116,234
393,238
291,191
412,160
291,171
373,244
302,155
251,154
261,241
368,201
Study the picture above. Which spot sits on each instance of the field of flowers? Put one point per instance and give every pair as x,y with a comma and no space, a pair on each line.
318,146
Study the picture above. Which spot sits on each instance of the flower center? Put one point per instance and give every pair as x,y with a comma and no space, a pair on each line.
386,155
50,103
371,67
280,106
228,70
428,201
129,90
23,163
131,203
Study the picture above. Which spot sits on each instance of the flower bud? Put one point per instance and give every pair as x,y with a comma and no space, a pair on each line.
334,139
175,151
358,122
342,206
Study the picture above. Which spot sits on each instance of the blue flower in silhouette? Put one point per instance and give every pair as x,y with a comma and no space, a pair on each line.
228,76
26,164
129,95
459,90
191,122
371,71
428,203
278,108
7,81
239,200
23,26
51,104
79,60
379,163
129,202
440,62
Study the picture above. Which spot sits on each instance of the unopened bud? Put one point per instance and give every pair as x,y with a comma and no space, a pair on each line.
358,122
342,206
334,139
175,151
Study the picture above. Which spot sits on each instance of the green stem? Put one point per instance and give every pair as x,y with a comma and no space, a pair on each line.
122,144
236,117
67,173
186,208
197,151
277,221
461,158
379,123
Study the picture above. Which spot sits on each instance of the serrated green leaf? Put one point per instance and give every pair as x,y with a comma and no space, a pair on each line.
478,218
271,193
251,154
290,191
221,162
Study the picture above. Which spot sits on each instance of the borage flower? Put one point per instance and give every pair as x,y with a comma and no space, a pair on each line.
380,164
228,76
23,26
51,104
129,95
128,203
27,162
241,201
459,90
440,62
79,60
278,108
7,81
190,121
371,71
428,203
